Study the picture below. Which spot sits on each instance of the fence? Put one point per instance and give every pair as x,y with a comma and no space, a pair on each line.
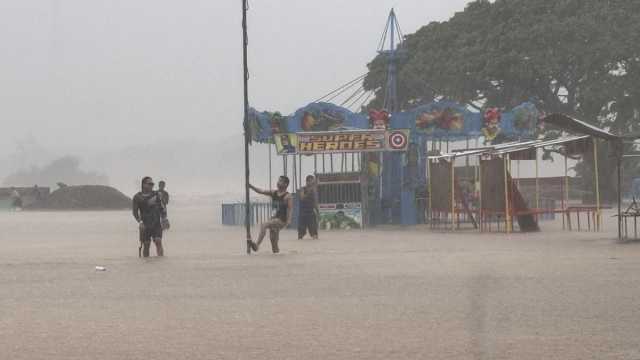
234,214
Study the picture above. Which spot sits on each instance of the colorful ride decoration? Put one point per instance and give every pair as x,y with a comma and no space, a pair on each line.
525,118
438,120
442,119
379,119
491,128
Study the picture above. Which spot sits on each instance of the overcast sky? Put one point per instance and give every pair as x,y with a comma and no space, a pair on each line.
107,73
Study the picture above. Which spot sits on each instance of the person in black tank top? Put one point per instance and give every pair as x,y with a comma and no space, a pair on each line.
281,214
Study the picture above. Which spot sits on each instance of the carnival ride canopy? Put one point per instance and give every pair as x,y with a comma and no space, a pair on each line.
437,120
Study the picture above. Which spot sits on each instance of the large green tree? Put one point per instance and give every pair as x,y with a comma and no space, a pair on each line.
578,57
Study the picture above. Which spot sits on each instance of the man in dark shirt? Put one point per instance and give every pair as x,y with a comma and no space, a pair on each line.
282,205
148,209
309,212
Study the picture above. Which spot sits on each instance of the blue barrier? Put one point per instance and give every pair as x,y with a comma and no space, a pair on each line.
233,214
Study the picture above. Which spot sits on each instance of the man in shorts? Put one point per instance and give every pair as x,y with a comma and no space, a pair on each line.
282,206
148,209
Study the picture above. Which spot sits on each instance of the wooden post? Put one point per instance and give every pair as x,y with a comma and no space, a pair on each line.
480,212
537,186
565,191
507,215
597,182
430,194
620,197
518,168
453,194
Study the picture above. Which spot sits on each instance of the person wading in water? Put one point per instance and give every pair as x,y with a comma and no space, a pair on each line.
282,206
308,212
163,193
148,209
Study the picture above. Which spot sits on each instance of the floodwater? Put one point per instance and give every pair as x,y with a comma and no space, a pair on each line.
379,294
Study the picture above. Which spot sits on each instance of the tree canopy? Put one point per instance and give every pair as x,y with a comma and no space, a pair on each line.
579,57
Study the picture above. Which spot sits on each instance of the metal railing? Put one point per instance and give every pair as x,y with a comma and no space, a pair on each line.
234,214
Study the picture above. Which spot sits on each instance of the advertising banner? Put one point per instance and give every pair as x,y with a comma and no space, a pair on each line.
340,216
342,142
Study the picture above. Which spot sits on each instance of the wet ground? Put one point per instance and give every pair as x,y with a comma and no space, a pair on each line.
383,294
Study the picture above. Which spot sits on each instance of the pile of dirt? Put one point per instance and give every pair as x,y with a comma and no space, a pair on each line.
86,197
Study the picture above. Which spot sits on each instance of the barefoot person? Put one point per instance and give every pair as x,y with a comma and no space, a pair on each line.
282,205
309,212
148,209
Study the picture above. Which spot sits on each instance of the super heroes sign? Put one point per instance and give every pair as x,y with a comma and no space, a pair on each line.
340,142
361,141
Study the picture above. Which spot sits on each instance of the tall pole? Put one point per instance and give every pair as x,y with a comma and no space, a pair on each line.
247,219
392,64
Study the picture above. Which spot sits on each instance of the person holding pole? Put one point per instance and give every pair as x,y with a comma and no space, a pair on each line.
282,211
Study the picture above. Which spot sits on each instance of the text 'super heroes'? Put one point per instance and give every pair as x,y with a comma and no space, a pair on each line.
341,142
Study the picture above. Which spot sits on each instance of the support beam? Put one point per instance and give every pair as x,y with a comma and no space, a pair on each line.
507,207
453,195
620,198
537,183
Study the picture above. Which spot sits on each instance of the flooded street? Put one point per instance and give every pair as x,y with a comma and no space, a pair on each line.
378,294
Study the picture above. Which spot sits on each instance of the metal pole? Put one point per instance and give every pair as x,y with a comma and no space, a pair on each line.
315,164
597,180
331,155
324,170
294,173
285,171
247,220
300,180
270,181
